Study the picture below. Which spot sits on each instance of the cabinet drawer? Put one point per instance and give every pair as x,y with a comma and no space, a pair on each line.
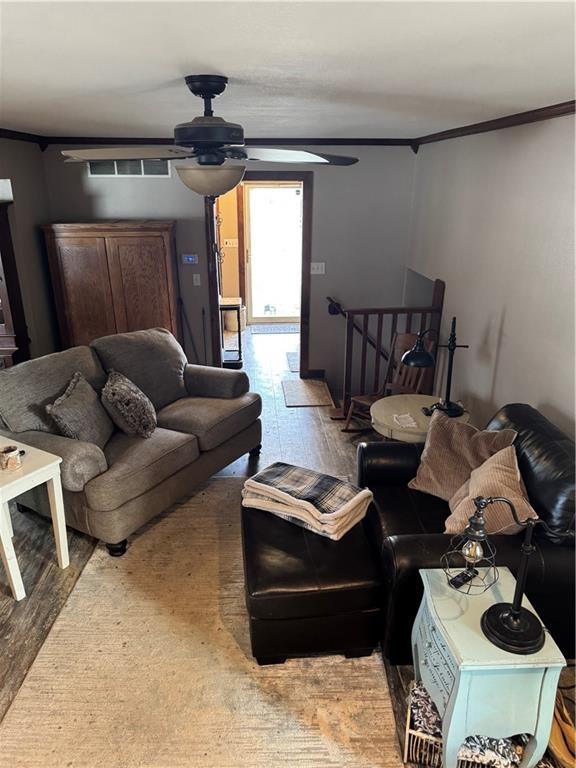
437,665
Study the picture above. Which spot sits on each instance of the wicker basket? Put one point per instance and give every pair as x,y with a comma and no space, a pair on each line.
422,749
425,750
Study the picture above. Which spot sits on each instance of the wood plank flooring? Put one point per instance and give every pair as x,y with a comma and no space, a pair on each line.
304,436
25,624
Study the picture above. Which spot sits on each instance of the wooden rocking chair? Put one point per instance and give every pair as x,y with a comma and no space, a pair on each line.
399,380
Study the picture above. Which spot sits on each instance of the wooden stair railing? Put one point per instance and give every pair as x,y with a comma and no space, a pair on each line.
365,365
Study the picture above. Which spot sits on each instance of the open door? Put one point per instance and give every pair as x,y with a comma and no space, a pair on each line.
273,223
234,253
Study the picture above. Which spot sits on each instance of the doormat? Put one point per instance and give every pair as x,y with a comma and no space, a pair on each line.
293,361
276,328
303,393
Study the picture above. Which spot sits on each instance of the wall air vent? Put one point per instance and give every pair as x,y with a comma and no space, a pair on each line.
129,168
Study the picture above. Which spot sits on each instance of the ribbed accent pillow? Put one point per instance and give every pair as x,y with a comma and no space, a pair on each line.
128,406
498,476
452,450
79,414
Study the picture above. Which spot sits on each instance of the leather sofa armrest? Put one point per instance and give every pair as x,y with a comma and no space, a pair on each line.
208,381
387,463
80,461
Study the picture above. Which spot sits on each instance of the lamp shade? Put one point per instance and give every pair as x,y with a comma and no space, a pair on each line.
211,181
418,357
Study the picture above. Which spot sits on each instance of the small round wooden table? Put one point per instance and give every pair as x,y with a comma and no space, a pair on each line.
383,412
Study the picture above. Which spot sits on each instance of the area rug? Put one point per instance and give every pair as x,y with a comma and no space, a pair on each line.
293,361
149,666
276,328
302,393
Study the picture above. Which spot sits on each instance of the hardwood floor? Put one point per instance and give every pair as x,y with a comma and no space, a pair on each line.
25,624
304,436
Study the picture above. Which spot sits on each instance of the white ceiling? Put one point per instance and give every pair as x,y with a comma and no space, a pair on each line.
320,69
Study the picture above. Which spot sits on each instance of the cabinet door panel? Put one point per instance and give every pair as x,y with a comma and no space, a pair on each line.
140,282
85,293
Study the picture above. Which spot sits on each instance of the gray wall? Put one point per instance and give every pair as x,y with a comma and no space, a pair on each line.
21,162
494,217
360,229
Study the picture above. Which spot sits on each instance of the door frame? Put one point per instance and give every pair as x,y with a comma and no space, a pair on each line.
307,180
212,255
246,235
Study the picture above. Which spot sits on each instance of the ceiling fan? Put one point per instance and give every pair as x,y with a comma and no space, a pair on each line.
212,142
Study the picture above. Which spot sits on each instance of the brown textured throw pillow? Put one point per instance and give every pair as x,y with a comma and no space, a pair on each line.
78,413
128,406
498,476
452,450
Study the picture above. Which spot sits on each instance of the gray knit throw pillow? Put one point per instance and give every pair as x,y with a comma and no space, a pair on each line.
128,406
78,413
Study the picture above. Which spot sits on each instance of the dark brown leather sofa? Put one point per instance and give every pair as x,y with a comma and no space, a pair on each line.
407,527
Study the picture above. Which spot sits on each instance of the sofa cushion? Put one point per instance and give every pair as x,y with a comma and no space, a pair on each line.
27,388
152,359
137,465
498,476
452,450
128,406
79,414
212,419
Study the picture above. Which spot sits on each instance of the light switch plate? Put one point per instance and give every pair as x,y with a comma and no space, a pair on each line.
230,242
318,268
196,279
189,258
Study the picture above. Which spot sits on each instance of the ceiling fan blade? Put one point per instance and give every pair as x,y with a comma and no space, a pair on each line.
273,155
159,152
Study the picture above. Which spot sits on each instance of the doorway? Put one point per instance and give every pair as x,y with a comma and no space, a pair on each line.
263,247
273,251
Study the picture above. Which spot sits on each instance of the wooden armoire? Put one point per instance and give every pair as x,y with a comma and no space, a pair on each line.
111,277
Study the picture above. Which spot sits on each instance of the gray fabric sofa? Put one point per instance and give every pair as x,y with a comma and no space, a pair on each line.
207,418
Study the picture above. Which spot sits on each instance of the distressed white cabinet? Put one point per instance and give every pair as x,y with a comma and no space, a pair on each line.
477,687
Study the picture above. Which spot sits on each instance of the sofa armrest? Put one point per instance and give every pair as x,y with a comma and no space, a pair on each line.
387,463
80,461
207,381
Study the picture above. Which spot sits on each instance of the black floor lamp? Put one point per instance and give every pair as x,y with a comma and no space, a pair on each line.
419,357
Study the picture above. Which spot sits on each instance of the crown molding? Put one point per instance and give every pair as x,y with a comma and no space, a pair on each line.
508,121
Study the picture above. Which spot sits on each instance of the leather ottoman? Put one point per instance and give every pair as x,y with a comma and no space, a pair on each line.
306,594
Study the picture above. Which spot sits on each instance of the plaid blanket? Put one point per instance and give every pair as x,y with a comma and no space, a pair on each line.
321,503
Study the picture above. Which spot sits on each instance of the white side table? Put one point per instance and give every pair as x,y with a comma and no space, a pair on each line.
37,467
383,411
478,688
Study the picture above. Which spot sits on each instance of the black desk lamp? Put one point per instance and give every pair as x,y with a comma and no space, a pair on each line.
421,358
509,626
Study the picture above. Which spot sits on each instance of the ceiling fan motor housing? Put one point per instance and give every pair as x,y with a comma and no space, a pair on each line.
210,132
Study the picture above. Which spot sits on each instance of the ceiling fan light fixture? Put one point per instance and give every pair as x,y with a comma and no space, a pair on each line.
210,181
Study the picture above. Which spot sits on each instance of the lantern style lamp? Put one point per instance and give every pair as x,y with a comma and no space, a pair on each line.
509,626
421,358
